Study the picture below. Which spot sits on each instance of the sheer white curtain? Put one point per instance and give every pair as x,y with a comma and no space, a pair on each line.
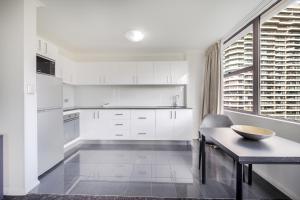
212,91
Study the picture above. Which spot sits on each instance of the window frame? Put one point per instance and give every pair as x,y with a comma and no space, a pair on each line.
255,68
255,64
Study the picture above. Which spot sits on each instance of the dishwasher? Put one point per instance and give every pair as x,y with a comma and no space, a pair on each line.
71,127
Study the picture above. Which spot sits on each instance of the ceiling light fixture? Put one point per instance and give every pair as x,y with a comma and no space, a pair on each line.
135,35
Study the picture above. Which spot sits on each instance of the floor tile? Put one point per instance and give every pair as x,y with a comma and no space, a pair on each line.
164,190
147,170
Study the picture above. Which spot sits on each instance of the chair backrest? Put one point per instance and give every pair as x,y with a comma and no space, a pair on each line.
215,121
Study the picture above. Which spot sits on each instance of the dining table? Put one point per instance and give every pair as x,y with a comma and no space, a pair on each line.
273,150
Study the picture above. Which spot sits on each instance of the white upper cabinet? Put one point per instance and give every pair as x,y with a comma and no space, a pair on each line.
121,73
145,73
46,49
180,72
88,74
162,72
125,73
66,69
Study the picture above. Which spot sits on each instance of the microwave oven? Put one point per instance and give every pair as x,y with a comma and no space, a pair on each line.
45,65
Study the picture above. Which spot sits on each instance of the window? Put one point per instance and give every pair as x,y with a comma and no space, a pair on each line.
280,64
238,76
262,66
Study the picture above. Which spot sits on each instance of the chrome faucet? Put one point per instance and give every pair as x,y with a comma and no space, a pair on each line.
105,104
175,100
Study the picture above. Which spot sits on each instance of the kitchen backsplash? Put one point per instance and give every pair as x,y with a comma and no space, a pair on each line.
123,95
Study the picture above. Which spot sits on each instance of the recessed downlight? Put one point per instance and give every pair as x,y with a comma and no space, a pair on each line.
135,35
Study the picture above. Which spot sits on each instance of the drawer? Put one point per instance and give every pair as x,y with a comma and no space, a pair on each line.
143,115
119,134
119,114
119,125
142,134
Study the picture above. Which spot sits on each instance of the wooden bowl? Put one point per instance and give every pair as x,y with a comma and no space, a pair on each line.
252,132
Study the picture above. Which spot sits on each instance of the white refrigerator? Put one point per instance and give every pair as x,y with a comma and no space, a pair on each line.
50,122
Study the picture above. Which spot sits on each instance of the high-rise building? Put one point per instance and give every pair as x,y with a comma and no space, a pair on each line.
279,69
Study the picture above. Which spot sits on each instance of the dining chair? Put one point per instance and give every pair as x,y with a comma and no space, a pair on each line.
215,121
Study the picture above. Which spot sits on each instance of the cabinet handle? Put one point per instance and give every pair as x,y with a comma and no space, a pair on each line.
175,114
98,114
118,114
104,79
142,133
167,79
119,124
100,79
119,134
142,117
136,79
94,115
170,114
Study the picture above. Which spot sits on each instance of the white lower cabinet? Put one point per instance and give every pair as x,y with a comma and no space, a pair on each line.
93,124
182,126
164,124
143,124
119,129
174,124
139,124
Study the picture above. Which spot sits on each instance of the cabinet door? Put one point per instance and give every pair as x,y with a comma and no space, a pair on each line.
88,124
59,67
120,73
145,73
164,124
142,124
87,74
162,72
179,72
182,129
103,127
68,70
50,50
39,46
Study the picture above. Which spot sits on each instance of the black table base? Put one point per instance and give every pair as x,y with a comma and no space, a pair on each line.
240,170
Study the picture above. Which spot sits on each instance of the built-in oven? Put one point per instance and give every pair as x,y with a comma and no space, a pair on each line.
45,65
71,127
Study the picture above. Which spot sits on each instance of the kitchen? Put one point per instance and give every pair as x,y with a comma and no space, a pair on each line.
105,98
109,101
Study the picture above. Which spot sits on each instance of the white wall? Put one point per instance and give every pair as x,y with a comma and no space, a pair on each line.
68,96
196,60
30,98
18,109
284,177
128,95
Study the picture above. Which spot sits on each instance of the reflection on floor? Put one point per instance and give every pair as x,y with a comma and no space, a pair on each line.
148,171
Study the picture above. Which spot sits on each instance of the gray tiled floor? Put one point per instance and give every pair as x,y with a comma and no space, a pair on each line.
148,171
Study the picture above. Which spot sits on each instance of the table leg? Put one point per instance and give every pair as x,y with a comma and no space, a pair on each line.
250,174
203,159
244,175
200,151
239,181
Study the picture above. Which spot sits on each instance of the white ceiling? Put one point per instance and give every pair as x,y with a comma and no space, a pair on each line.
98,26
